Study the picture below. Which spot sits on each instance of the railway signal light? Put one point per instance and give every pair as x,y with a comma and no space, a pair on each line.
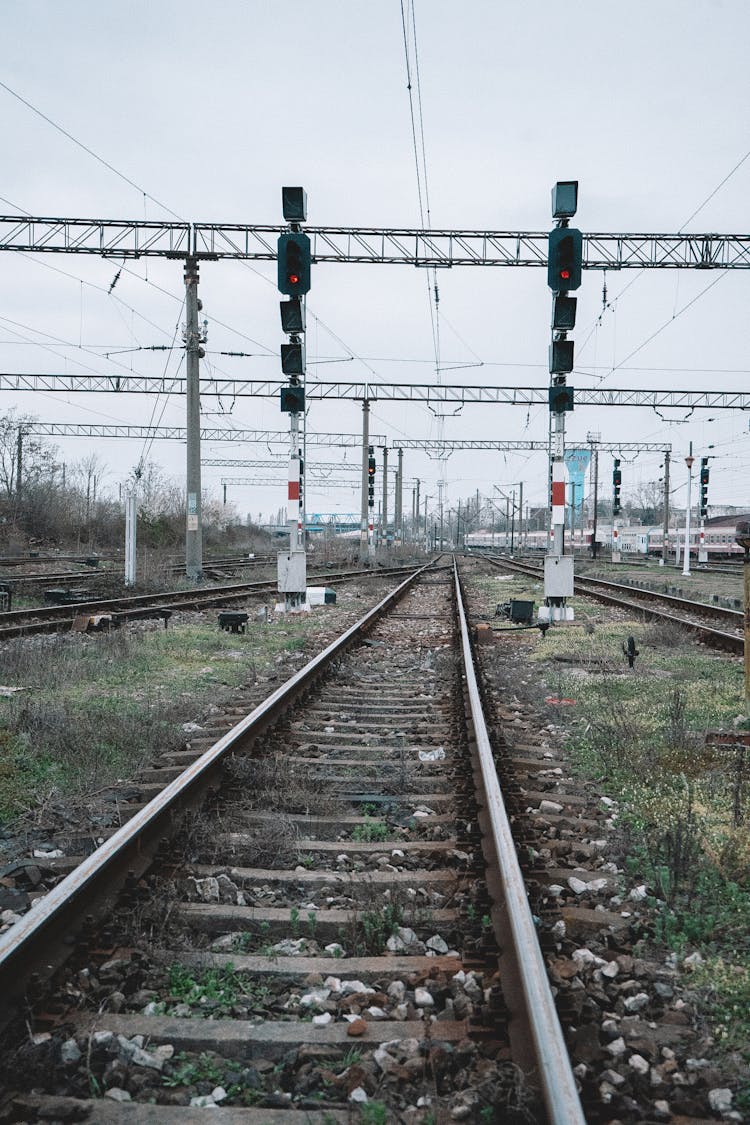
292,316
560,397
616,483
292,359
294,204
293,252
564,199
563,312
704,487
371,476
564,259
560,357
293,399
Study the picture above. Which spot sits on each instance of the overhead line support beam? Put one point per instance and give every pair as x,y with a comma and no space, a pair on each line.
119,238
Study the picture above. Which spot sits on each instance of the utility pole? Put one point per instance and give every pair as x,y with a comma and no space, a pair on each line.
363,553
416,513
441,484
686,553
193,354
19,466
512,521
665,544
371,505
384,530
593,440
426,529
520,515
130,537
398,514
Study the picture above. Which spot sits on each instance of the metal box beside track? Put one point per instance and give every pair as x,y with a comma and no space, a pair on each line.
558,576
292,572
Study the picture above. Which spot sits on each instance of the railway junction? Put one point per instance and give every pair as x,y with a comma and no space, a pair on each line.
406,860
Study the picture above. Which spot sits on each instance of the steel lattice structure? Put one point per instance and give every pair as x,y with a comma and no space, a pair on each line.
314,482
282,463
430,394
121,238
179,433
343,441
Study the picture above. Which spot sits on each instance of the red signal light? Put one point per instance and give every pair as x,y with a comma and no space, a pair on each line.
565,274
293,278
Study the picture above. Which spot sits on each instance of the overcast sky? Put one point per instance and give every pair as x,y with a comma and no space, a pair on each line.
211,108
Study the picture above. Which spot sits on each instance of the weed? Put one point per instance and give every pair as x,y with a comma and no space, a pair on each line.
352,1057
726,990
294,921
374,1113
187,1071
372,928
373,831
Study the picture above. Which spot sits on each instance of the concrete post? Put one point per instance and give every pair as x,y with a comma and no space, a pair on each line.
193,353
365,444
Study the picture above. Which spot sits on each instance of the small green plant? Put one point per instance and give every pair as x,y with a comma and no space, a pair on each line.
219,985
294,921
307,861
376,926
241,943
726,988
186,1071
312,922
374,1113
352,1057
368,808
372,832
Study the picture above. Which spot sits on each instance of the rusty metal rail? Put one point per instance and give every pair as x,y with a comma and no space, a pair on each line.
603,591
49,619
44,935
513,921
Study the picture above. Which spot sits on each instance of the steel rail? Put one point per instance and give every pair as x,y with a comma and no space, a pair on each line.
721,613
101,874
24,622
715,638
555,1074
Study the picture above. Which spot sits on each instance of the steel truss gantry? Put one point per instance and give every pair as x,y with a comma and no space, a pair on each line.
179,433
122,238
434,446
315,482
435,394
282,463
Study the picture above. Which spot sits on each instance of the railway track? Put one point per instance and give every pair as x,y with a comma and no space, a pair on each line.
317,942
687,614
50,619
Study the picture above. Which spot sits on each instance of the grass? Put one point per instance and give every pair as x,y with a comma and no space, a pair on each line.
95,708
641,733
372,832
224,987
